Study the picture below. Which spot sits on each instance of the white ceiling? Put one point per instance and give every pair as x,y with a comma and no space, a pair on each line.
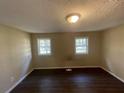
42,16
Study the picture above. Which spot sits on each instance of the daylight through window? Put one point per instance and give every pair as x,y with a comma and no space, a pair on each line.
44,46
81,45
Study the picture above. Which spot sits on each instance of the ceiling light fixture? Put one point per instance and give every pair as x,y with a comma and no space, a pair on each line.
73,18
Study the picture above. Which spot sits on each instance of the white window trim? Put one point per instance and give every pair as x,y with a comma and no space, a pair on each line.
87,45
38,50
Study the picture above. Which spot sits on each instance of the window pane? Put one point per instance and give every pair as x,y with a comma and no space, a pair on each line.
44,46
81,45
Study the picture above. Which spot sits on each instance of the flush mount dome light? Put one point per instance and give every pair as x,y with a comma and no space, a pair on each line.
73,18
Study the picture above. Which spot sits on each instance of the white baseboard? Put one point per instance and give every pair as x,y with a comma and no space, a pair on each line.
113,74
67,67
18,82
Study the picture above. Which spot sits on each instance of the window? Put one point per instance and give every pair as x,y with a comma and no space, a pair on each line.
44,46
81,45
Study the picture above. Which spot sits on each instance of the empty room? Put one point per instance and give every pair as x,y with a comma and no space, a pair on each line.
61,46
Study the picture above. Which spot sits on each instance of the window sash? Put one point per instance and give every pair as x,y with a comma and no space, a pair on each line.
81,45
44,46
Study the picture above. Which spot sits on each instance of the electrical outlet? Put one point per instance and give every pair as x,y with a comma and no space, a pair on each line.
69,70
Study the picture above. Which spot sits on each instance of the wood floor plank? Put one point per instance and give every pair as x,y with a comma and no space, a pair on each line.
86,80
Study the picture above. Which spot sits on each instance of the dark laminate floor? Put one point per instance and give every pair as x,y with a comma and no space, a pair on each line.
78,81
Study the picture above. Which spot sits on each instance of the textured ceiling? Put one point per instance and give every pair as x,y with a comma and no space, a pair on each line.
42,16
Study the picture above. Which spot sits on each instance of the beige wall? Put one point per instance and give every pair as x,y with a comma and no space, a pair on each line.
63,50
106,49
113,50
15,56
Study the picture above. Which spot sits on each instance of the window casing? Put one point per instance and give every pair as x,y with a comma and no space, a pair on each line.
44,47
81,45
